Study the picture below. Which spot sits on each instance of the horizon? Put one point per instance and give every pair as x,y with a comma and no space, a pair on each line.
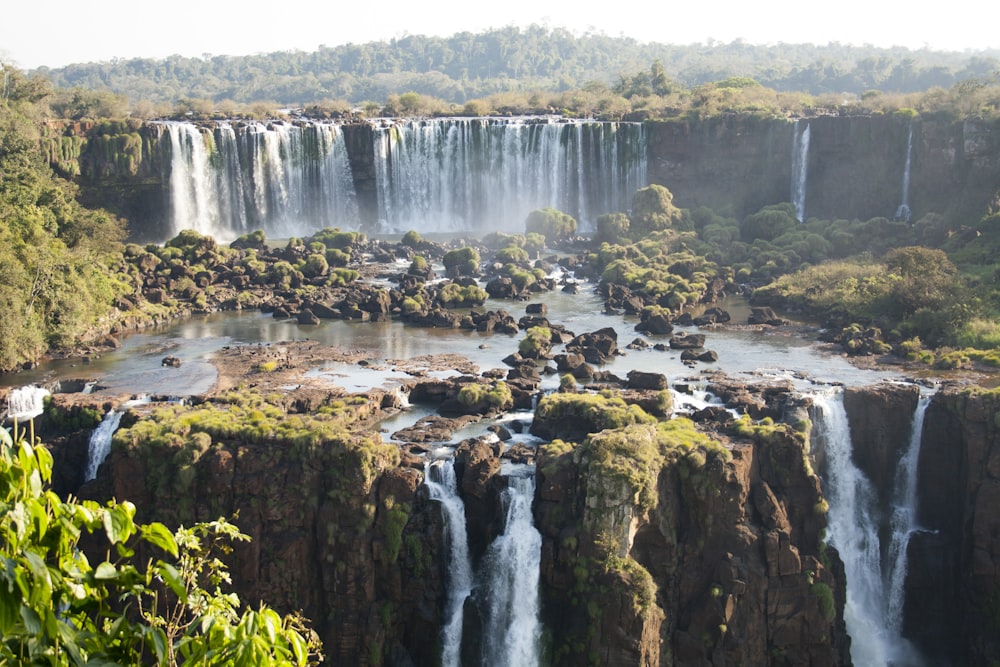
157,34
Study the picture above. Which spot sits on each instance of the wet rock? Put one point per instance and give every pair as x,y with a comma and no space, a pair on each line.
306,317
687,342
644,380
764,315
173,362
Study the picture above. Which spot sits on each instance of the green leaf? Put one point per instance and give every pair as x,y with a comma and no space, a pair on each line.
158,534
105,571
32,623
118,523
172,578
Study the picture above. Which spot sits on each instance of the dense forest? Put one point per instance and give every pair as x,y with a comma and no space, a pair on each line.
468,66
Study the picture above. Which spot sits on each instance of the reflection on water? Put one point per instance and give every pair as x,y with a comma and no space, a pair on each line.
135,367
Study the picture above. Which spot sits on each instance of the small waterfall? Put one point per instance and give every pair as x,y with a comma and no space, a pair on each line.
487,174
800,169
903,521
439,477
854,530
99,445
26,403
903,212
509,580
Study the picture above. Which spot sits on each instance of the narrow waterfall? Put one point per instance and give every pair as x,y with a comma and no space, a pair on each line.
26,403
854,530
439,477
286,179
800,169
487,174
903,520
100,443
903,212
509,580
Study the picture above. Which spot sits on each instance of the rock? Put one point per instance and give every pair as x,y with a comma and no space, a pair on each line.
687,341
306,317
597,347
173,362
655,325
536,309
643,380
764,315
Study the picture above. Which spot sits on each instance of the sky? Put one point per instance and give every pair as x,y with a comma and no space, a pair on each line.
60,32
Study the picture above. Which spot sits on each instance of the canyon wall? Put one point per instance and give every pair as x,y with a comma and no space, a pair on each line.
954,575
855,166
733,164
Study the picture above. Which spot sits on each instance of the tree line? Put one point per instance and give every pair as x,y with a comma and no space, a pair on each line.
467,66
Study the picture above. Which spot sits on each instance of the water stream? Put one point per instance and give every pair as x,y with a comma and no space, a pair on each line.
873,609
903,212
800,169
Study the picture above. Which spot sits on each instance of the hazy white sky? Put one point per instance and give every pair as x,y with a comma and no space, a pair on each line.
58,32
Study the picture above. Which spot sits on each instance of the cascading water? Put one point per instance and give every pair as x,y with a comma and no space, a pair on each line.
509,580
903,520
439,477
99,445
26,403
870,613
800,169
506,584
286,179
487,174
903,212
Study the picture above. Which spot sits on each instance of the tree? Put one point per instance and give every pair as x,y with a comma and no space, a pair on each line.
653,209
57,608
551,223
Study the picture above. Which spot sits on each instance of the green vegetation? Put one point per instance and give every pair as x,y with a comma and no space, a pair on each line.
462,261
589,413
536,344
453,295
484,398
57,258
57,607
509,70
550,223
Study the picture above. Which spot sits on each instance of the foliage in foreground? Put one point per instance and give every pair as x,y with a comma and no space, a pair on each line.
58,608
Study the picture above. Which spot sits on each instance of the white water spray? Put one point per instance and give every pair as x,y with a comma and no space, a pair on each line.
853,530
510,574
903,212
26,403
286,179
487,174
439,477
904,520
99,445
800,169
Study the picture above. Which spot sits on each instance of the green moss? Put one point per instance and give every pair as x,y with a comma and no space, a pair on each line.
824,595
395,520
476,397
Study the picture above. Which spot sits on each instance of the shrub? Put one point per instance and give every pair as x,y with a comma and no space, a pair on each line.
463,261
536,344
551,223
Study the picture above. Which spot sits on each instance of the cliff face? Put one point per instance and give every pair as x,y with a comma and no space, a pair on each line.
720,563
352,543
855,165
733,164
954,569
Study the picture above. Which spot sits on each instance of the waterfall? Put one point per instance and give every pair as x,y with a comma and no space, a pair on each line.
439,477
26,403
800,169
286,179
432,175
903,212
903,520
99,445
487,174
506,583
509,580
854,530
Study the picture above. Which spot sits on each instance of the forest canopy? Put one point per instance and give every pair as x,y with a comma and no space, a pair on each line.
467,66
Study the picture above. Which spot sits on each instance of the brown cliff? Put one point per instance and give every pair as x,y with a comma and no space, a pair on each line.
954,563
714,557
